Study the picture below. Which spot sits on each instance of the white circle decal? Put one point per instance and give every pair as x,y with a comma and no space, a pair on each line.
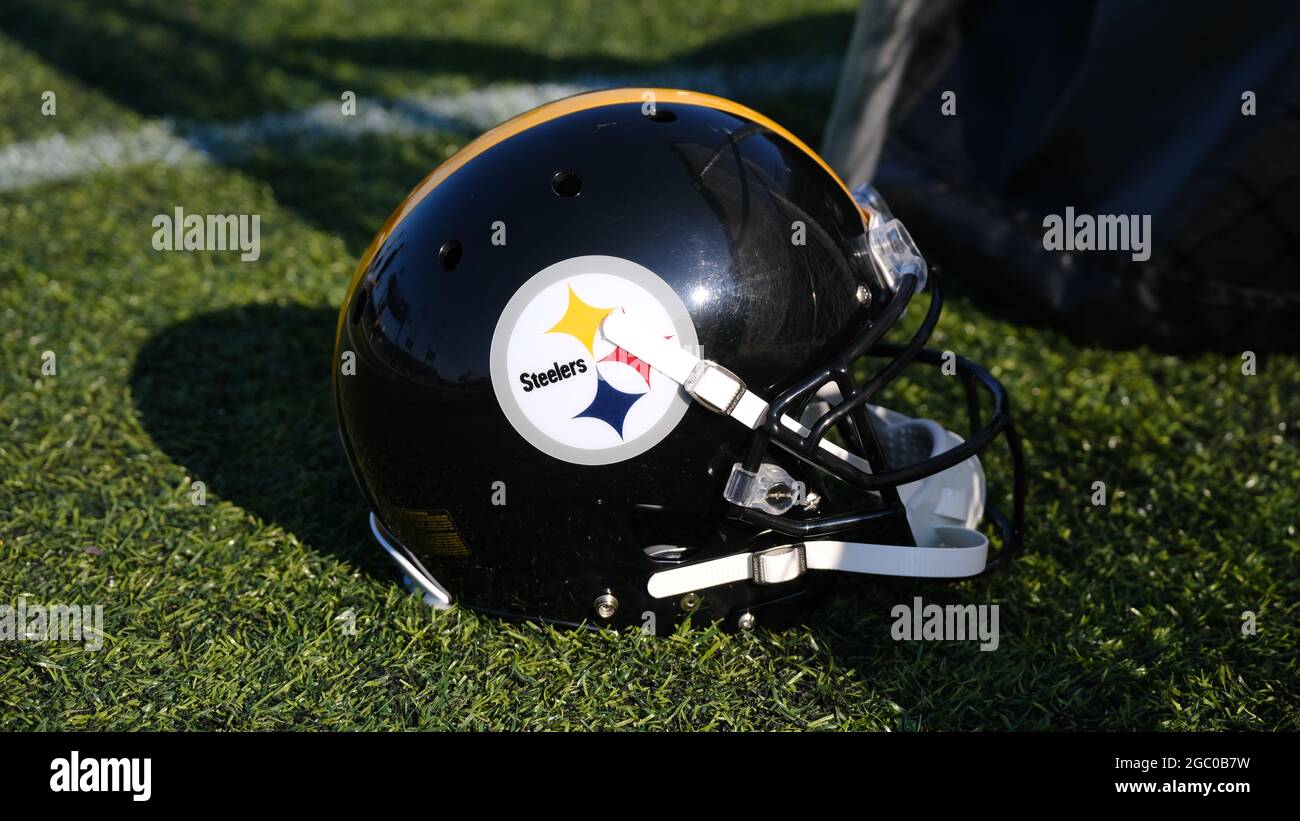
567,389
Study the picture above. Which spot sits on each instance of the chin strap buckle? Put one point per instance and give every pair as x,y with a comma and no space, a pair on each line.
778,565
714,387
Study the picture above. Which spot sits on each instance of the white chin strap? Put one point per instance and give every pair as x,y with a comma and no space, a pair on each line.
708,383
943,510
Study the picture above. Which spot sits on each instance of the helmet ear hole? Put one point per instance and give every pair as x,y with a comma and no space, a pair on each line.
662,115
566,184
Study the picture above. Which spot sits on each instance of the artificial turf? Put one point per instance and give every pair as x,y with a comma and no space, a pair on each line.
181,367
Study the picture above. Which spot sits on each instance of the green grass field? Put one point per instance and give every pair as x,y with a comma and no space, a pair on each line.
177,367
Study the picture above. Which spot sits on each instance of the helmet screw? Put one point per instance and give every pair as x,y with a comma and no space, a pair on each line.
864,295
606,605
690,601
780,496
746,621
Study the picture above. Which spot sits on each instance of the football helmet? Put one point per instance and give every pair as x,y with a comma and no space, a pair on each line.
599,368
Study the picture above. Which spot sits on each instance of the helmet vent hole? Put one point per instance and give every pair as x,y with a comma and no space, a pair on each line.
358,306
662,115
449,254
566,184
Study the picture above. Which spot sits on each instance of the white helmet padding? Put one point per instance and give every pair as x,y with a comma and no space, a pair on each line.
952,497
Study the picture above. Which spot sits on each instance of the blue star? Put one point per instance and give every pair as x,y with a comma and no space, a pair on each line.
610,405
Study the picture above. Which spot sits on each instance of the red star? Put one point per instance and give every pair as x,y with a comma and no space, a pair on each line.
621,355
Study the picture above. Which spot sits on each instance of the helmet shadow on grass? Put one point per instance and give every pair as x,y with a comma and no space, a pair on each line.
241,399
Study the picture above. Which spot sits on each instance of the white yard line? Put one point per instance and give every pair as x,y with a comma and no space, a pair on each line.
52,159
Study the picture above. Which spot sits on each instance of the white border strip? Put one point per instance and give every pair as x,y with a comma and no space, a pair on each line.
59,158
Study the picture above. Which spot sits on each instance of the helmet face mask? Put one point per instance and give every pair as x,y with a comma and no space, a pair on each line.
626,394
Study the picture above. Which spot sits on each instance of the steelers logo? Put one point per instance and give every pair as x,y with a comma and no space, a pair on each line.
567,389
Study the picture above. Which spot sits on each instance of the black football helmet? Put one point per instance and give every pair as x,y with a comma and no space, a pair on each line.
598,368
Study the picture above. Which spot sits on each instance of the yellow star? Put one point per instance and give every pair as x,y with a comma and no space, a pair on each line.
581,321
